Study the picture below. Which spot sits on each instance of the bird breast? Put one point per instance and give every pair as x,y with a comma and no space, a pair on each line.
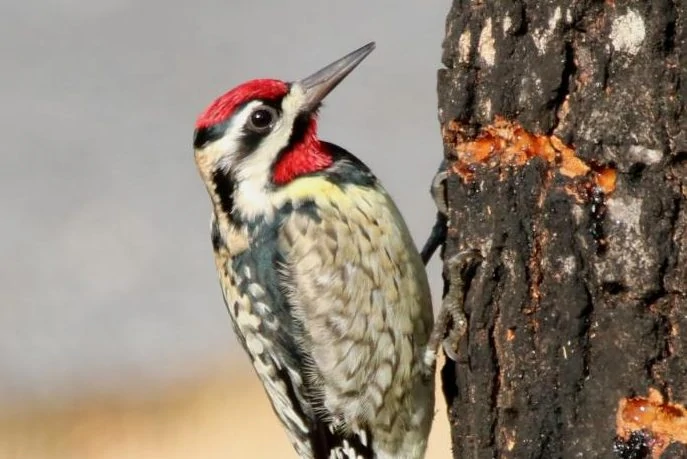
356,283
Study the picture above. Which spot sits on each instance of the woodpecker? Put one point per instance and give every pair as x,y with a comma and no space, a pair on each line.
325,287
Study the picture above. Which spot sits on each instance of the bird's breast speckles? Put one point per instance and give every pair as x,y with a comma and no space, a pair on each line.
255,314
359,288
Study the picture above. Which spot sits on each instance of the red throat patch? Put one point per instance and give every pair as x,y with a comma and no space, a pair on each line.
224,106
304,158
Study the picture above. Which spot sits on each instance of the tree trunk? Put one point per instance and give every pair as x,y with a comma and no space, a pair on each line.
565,127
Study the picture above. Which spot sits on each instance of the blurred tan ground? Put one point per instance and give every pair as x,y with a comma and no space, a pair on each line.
216,416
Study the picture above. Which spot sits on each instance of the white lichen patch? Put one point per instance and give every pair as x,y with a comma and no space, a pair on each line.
541,37
485,47
628,32
569,265
560,267
529,86
486,108
640,153
629,259
507,24
464,46
625,211
578,213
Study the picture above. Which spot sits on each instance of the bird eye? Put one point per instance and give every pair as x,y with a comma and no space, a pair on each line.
262,119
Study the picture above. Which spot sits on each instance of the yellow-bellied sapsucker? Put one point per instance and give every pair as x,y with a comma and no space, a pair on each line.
325,287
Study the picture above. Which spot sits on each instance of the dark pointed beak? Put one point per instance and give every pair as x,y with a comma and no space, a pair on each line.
319,84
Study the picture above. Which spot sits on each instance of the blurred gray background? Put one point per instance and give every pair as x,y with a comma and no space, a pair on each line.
107,278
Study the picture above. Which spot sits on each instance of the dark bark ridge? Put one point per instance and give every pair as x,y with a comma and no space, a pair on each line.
581,299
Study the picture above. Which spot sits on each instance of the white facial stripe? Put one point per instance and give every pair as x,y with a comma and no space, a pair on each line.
253,198
230,142
293,102
222,152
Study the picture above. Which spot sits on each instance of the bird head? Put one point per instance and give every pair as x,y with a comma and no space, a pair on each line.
262,135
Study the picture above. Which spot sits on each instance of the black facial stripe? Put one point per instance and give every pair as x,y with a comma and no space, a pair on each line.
224,187
203,136
250,140
300,127
249,143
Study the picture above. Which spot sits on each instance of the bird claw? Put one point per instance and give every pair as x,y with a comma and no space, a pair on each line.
451,322
438,189
438,234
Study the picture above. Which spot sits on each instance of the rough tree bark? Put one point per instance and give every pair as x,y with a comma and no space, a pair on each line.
565,127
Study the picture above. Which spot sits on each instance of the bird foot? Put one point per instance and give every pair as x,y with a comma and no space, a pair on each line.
451,323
